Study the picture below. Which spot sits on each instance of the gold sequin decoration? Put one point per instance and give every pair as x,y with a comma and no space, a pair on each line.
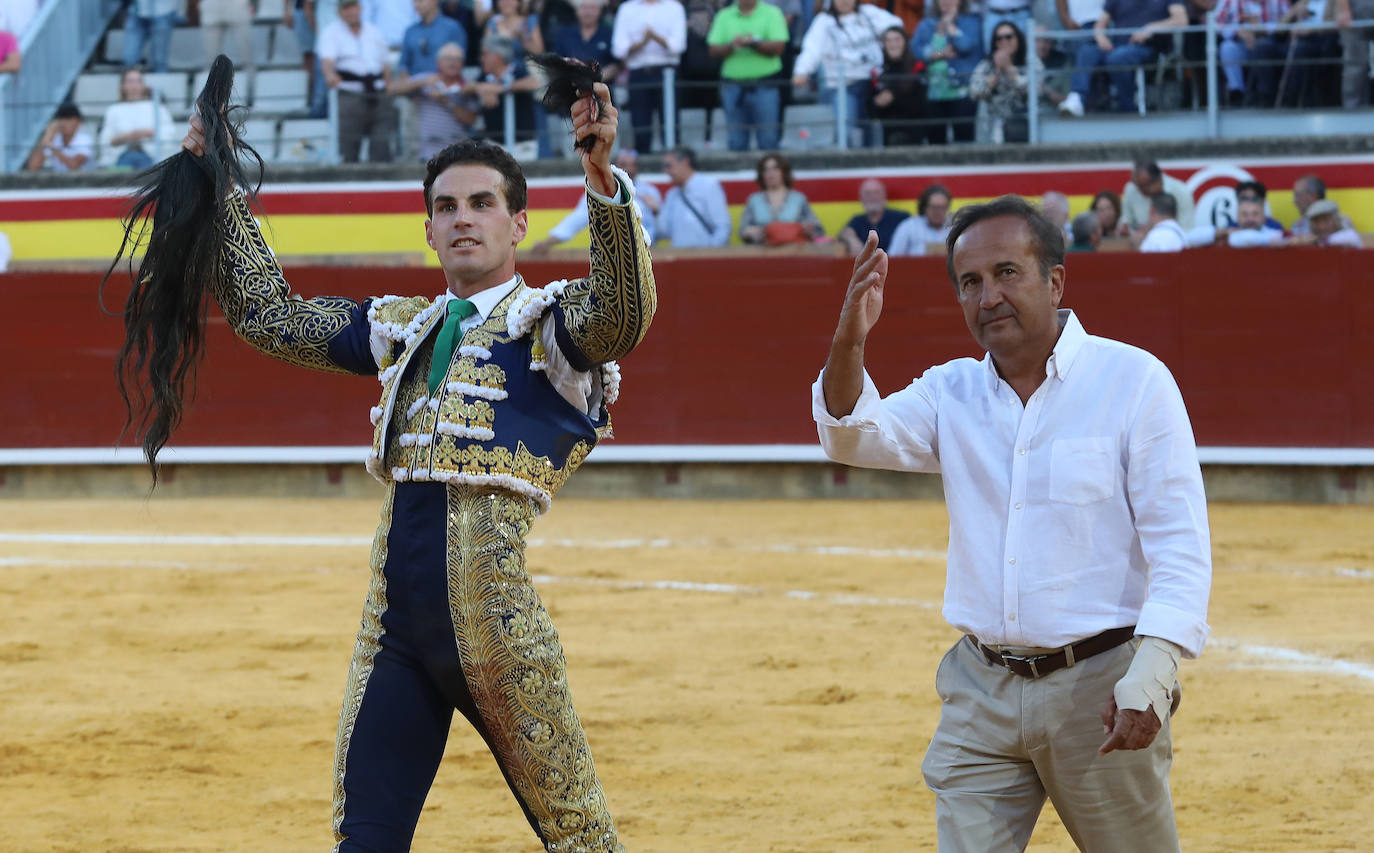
259,304
515,669
364,653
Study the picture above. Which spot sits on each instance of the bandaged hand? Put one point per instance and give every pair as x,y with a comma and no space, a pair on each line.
1150,680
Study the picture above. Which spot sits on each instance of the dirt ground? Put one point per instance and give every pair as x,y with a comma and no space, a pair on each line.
754,676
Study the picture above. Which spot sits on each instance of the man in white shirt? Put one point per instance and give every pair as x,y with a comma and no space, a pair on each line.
648,36
929,225
1079,553
1148,180
64,146
647,198
1164,234
694,213
354,59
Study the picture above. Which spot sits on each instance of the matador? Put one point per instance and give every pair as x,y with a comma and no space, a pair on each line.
492,394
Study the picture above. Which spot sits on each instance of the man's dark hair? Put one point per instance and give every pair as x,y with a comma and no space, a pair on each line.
1084,224
1315,185
1046,239
1149,167
682,152
1165,205
480,152
1252,188
68,110
927,194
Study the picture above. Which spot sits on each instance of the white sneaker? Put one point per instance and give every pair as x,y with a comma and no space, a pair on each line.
1072,105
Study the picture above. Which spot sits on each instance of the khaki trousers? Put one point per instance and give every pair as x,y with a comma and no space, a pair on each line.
1005,742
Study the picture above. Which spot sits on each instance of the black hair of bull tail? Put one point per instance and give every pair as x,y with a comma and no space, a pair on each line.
185,197
569,80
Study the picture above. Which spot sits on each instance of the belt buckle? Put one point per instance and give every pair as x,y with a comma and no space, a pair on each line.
1028,660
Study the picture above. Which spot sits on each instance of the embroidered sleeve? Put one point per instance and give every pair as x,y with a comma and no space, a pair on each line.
602,317
329,333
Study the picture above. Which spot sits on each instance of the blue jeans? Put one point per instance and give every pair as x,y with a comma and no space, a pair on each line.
1234,53
752,106
855,101
1124,58
157,32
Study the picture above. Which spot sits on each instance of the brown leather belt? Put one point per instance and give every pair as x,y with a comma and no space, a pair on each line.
1038,666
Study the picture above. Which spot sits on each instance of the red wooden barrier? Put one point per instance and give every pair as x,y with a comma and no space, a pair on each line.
1271,348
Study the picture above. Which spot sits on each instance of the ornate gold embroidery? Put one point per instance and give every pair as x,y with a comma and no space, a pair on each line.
364,652
259,305
467,370
515,670
474,414
608,312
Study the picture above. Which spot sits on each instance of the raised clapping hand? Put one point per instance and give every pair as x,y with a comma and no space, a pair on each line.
863,302
1127,729
597,162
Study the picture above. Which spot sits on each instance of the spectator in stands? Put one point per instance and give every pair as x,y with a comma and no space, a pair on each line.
1307,50
353,56
64,146
1354,50
694,212
446,106
1256,191
149,23
392,18
842,44
589,39
224,20
647,198
1055,206
1307,190
1253,227
468,14
514,20
915,234
898,98
648,35
777,213
1164,234
1249,45
1107,207
1330,227
11,60
749,36
421,43
949,41
1078,14
1014,12
1147,180
1121,55
138,131
876,216
999,82
1087,232
503,72
1056,72
299,16
698,72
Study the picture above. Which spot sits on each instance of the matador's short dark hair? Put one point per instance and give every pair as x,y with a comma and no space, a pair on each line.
1046,238
480,152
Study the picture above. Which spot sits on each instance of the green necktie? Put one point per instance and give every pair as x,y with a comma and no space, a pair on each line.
458,311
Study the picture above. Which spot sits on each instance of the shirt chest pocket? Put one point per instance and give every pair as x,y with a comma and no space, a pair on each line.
1082,471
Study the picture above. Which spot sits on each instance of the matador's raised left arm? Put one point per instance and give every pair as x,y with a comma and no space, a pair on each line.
602,317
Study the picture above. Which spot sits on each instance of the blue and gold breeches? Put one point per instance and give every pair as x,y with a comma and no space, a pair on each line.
453,621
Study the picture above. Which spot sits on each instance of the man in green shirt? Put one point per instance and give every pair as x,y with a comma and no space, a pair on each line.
750,37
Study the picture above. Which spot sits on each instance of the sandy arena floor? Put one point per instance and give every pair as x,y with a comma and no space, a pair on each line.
753,676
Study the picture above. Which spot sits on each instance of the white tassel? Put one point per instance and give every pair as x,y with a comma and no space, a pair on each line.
474,352
407,439
465,431
375,415
470,390
416,407
610,382
541,498
423,440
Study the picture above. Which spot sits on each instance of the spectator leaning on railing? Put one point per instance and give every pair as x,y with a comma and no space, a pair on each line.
876,217
930,225
749,37
504,72
999,82
138,131
949,42
64,146
1330,227
1165,233
694,213
898,99
1147,180
446,107
1055,69
843,45
353,55
1308,190
149,23
649,35
777,213
1121,55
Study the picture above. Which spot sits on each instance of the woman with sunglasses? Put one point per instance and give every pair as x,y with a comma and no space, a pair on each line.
999,82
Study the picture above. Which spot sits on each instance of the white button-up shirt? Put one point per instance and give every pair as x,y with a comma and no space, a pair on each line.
1080,512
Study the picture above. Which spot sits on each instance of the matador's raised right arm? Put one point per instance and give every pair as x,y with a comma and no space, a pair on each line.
602,317
329,333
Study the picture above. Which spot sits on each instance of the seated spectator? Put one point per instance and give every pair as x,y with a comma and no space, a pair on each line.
1055,206
647,199
446,106
1309,47
842,48
1354,50
1107,206
1056,72
1147,181
1000,84
514,21
1164,234
1121,55
353,56
1087,232
898,99
876,216
64,146
504,72
150,23
949,41
930,224
749,37
11,60
777,213
589,39
1078,14
138,131
1330,227
1256,191
694,212
1307,190
1248,44
1253,227
221,20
